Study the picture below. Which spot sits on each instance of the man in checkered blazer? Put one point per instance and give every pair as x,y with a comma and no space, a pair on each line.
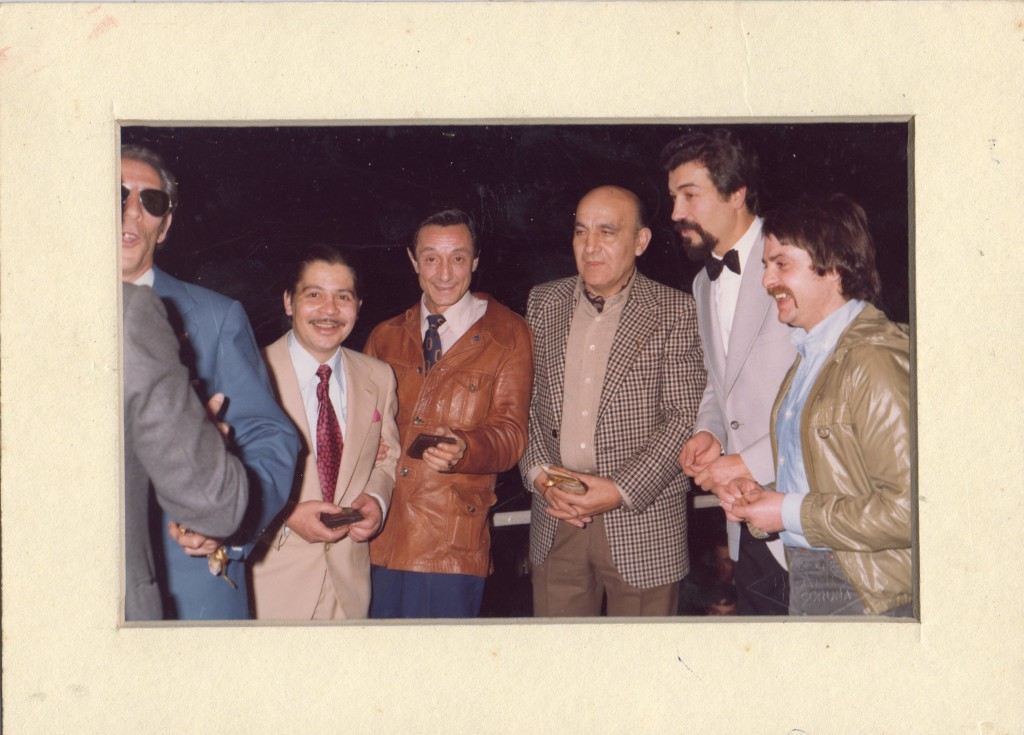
618,377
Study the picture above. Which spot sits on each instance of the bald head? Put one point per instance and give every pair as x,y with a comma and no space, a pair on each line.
608,237
622,195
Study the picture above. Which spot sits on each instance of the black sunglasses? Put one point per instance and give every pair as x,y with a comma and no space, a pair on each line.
154,201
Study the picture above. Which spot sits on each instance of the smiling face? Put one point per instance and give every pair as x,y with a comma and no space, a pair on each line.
140,231
705,220
444,260
607,240
323,308
804,298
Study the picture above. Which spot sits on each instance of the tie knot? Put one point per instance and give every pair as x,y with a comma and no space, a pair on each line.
324,373
435,320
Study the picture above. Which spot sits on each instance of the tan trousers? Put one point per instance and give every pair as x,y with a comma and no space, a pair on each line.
578,573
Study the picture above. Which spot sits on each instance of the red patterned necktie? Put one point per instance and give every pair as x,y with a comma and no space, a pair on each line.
432,341
328,437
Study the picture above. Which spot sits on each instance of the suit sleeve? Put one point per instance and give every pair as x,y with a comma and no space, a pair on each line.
268,443
878,516
498,443
536,449
195,479
683,380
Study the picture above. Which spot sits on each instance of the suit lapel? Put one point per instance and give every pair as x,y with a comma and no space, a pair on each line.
362,400
279,362
558,322
711,334
637,323
752,308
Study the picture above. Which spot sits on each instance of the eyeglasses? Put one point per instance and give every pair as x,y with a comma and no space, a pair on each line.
155,201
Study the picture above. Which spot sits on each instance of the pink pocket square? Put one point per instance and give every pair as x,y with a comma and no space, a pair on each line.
376,416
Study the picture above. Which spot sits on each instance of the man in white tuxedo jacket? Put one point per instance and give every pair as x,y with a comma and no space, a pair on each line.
343,404
712,180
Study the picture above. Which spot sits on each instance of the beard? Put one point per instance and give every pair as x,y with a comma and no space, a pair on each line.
703,247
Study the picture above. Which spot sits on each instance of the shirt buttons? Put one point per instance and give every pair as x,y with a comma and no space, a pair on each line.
587,381
583,445
592,348
789,413
586,413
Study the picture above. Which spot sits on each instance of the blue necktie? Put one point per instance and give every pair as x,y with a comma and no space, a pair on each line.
432,341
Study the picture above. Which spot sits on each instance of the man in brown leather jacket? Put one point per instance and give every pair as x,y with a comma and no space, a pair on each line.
841,422
464,365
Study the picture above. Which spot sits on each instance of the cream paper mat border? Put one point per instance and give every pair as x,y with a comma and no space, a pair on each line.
69,73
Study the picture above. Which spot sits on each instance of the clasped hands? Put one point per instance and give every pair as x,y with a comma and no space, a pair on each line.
305,520
729,478
578,510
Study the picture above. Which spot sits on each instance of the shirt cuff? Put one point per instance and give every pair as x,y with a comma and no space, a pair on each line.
626,502
531,476
791,512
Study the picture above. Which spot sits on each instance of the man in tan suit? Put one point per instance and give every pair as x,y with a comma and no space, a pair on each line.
344,406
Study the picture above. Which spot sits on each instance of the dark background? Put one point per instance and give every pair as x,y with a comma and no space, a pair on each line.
253,197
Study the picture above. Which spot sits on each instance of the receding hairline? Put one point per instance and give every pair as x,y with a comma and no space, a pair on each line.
630,196
454,225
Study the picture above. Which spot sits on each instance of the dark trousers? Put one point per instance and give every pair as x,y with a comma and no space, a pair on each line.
401,594
762,585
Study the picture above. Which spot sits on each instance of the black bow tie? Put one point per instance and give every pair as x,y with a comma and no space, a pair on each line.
714,266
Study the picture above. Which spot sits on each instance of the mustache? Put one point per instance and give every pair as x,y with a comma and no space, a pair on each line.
683,225
777,290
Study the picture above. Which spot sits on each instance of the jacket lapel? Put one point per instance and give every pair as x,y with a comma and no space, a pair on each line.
707,315
558,322
637,323
362,400
752,308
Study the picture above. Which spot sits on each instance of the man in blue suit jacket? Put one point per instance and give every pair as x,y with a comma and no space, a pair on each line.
220,350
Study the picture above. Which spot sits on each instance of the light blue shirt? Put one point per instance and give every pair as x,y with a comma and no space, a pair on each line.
814,347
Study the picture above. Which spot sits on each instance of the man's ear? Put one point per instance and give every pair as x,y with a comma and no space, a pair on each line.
287,304
412,259
738,199
164,227
476,262
643,239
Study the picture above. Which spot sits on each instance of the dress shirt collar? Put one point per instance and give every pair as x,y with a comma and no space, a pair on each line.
306,365
743,247
611,301
146,279
822,339
457,317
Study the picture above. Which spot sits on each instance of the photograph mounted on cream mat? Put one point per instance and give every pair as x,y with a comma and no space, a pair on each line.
250,199
77,78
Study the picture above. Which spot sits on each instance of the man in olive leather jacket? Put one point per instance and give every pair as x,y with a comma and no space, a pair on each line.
841,423
468,378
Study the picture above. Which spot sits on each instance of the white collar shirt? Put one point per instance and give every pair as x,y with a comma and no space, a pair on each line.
458,318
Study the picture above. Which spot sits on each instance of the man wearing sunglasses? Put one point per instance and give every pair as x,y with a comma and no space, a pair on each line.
205,577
